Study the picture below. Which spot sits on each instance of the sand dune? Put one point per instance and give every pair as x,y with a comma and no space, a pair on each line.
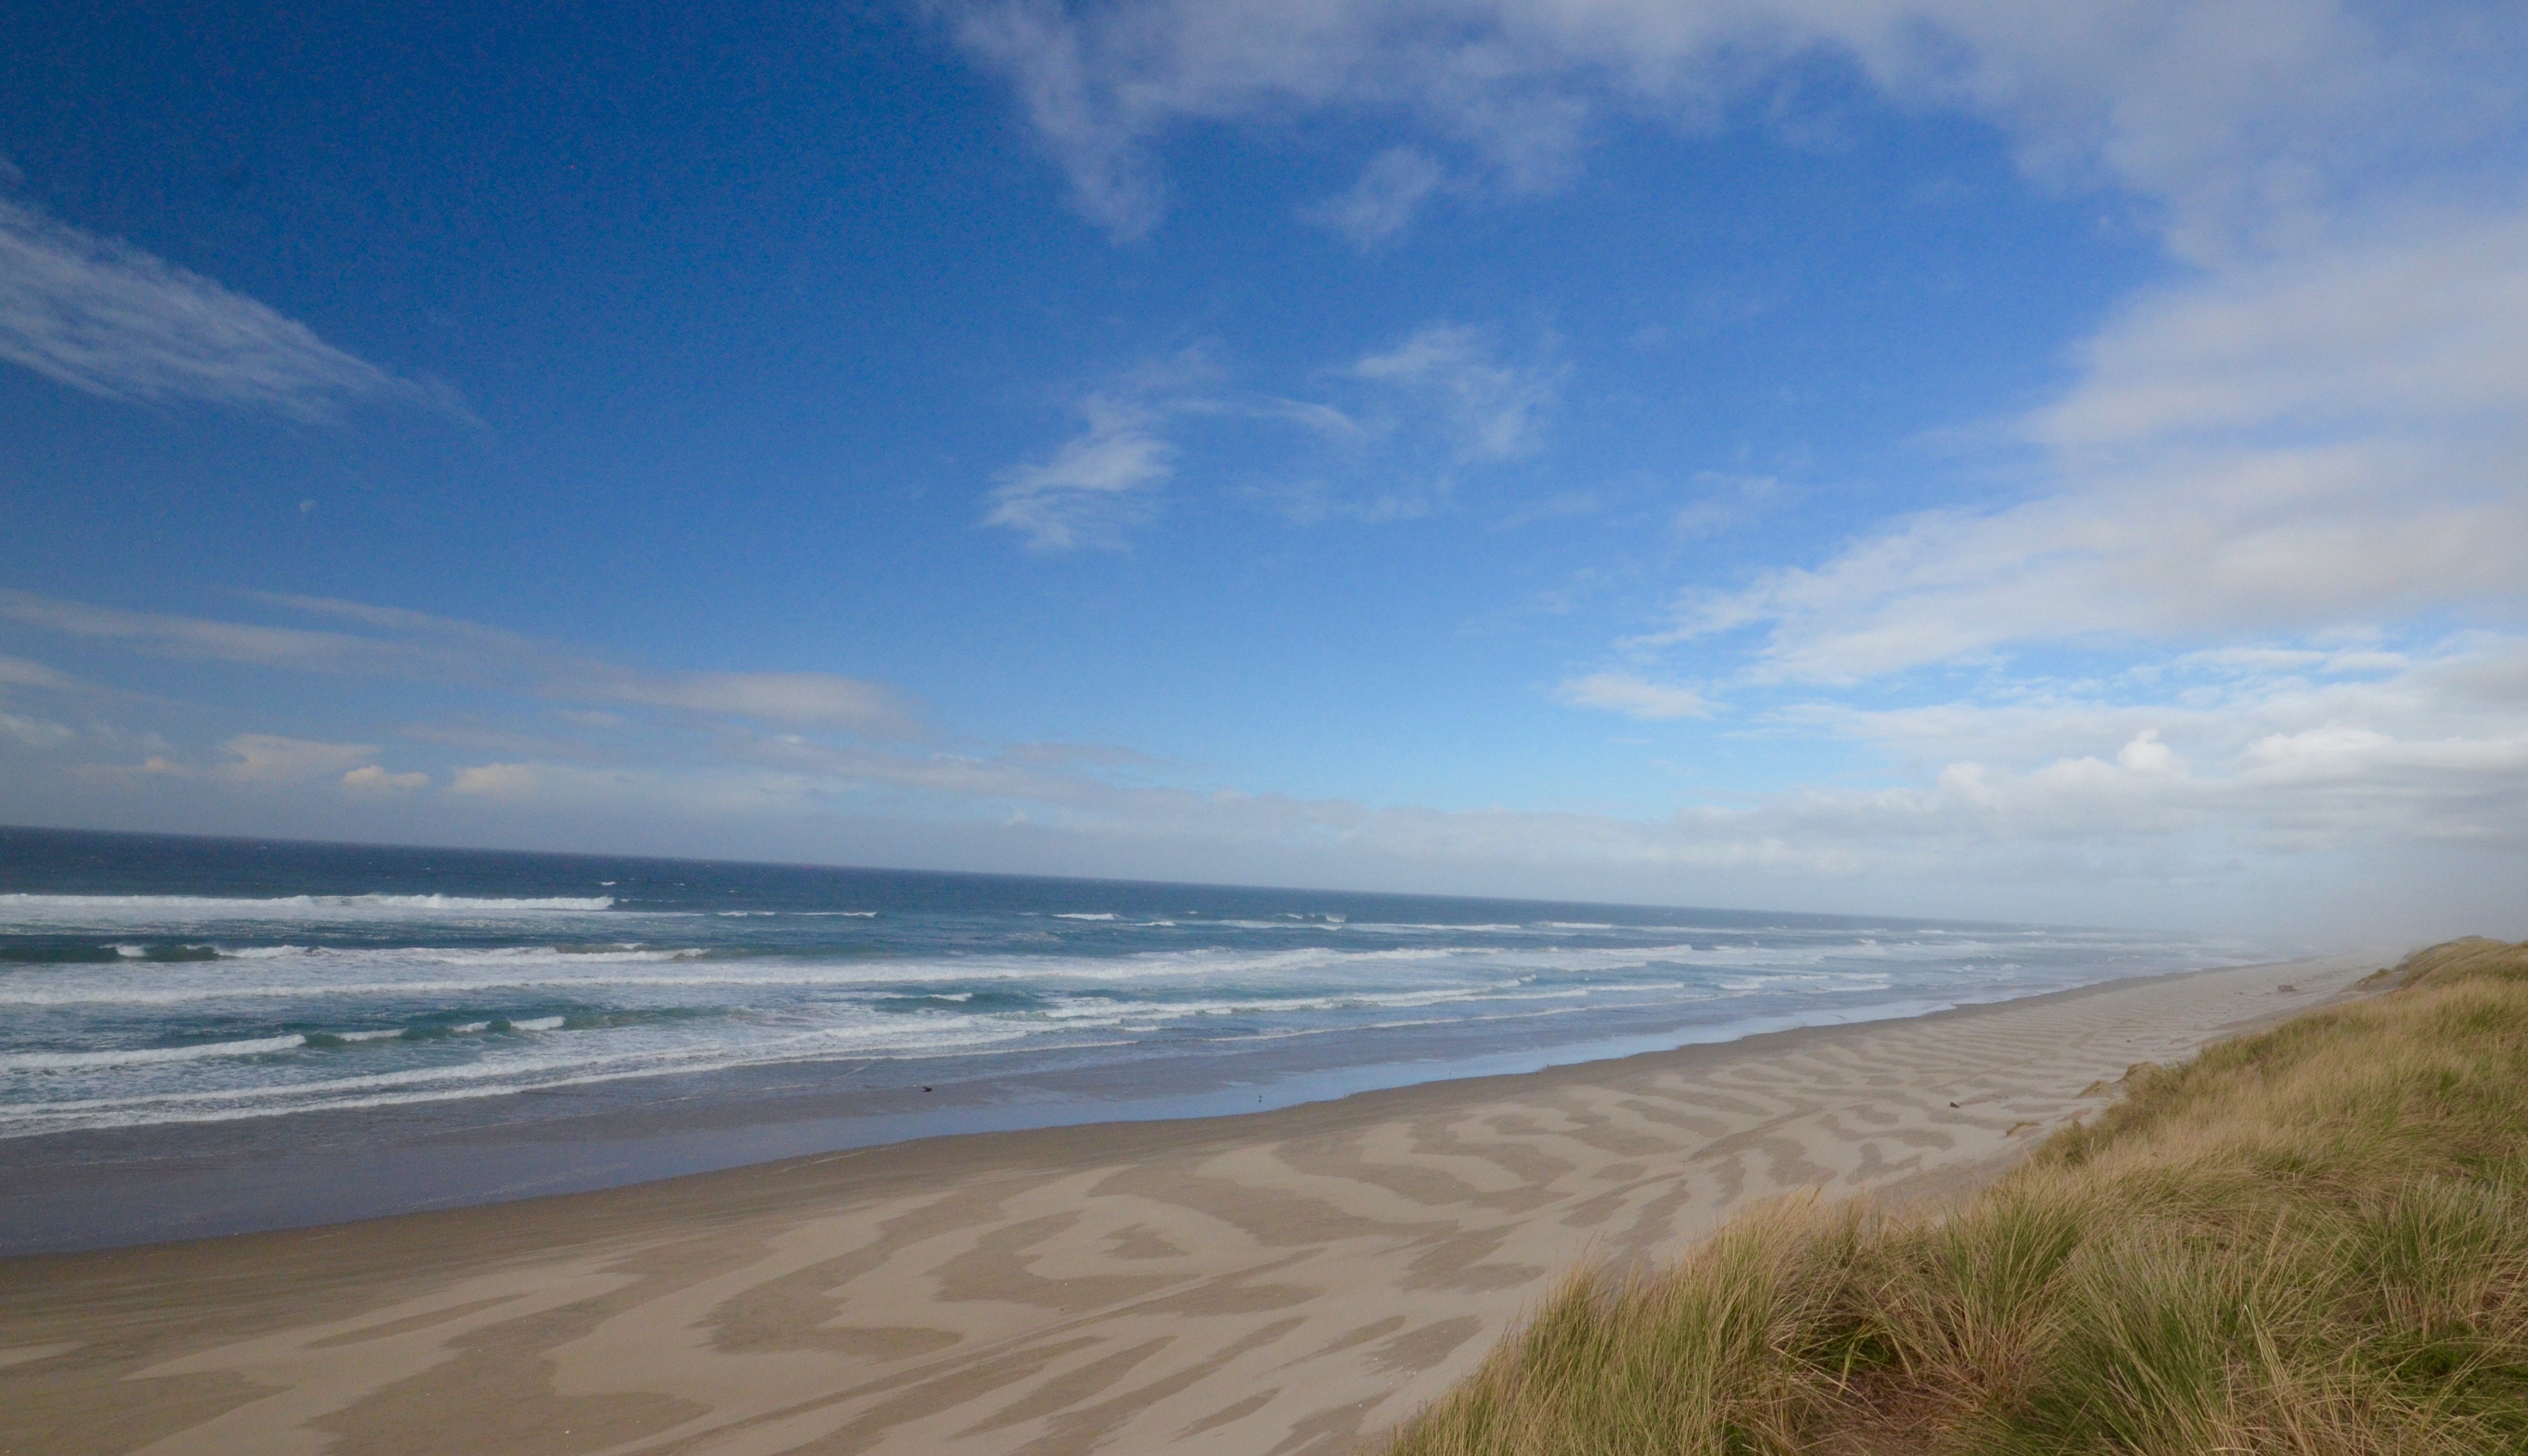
1278,1284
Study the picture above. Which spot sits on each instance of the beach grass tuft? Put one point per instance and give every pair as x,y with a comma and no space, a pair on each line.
2311,1241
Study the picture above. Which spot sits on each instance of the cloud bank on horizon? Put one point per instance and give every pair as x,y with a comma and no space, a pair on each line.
2205,606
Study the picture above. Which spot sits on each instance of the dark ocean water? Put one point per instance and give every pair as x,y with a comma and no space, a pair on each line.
150,981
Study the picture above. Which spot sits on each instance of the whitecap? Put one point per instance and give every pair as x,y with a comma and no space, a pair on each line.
144,1055
186,909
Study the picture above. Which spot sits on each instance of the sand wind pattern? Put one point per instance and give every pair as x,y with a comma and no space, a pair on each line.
1268,1285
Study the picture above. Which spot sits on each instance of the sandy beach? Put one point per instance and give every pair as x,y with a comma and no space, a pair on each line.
1282,1282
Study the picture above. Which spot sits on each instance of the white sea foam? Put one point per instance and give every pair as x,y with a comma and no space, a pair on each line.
422,972
252,1047
127,910
424,1085
520,993
520,1071
1166,1011
144,1056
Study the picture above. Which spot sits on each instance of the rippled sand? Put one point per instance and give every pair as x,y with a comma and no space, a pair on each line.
1285,1282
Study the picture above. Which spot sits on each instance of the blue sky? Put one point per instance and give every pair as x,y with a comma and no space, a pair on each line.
1893,455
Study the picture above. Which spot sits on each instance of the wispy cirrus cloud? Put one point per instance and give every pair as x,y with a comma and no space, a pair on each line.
1072,107
105,317
209,639
1379,437
2280,446
1490,408
20,672
1633,696
35,733
1382,203
820,699
495,656
1093,486
420,646
2172,100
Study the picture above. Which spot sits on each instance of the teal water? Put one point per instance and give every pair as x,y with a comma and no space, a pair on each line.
151,980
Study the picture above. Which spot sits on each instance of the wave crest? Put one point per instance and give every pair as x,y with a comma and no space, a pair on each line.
147,910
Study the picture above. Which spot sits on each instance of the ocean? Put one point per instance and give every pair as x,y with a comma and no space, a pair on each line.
163,982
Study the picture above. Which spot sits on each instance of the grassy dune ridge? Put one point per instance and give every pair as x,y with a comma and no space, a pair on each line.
2310,1240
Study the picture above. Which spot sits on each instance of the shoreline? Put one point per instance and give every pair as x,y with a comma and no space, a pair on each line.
1284,1280
103,1189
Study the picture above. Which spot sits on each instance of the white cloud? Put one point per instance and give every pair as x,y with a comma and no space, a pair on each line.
2264,753
1492,409
18,672
372,778
812,699
419,647
2145,753
1633,696
2421,327
100,315
267,760
1412,416
2289,447
35,733
2252,118
498,780
1094,485
1381,204
232,642
1035,46
29,674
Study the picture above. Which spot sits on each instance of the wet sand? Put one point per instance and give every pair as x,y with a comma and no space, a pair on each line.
1280,1282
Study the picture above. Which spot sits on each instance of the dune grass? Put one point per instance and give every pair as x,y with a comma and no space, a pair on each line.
2310,1240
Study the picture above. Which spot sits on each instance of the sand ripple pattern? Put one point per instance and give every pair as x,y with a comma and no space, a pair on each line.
1282,1283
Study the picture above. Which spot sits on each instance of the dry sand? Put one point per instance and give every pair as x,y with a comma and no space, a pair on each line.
1288,1282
